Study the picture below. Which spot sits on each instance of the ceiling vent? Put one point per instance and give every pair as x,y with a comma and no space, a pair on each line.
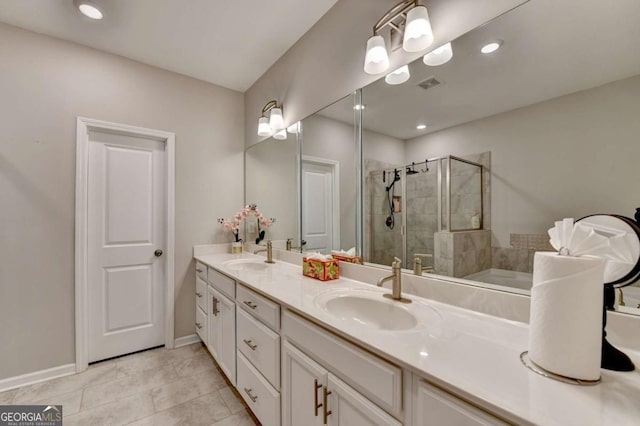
429,83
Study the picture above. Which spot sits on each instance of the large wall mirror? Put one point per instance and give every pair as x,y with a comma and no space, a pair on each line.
329,177
468,163
272,183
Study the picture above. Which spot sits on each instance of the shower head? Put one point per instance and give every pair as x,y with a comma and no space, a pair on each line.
411,170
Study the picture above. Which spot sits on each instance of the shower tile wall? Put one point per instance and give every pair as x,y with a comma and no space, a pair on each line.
519,257
459,254
381,243
422,214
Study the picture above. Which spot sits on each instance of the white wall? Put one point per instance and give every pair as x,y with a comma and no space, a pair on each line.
567,157
326,63
45,84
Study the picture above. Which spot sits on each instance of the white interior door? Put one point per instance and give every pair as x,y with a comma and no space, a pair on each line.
319,206
125,237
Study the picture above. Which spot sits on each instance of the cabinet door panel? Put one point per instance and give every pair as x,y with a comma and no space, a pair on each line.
227,351
302,383
350,408
433,406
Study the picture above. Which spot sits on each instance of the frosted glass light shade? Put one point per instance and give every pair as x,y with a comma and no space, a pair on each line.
280,134
398,76
263,127
294,128
441,55
276,122
417,32
377,59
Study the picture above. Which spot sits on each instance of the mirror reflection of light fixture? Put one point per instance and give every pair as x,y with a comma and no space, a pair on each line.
294,128
280,134
398,76
491,47
407,18
440,56
274,122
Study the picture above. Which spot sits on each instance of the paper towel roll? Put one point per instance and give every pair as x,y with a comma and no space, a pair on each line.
565,326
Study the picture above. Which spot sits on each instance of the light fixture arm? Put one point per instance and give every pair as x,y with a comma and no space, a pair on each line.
271,105
398,11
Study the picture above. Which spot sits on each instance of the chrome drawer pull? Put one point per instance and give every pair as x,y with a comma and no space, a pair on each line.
198,294
251,396
250,304
250,344
198,325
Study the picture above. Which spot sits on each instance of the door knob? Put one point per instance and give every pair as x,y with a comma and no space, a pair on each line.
158,253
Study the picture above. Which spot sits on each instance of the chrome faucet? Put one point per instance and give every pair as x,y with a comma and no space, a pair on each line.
417,266
396,288
269,251
288,244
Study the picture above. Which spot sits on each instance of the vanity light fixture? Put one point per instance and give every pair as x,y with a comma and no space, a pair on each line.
407,18
294,128
398,76
491,47
440,56
89,9
274,122
421,126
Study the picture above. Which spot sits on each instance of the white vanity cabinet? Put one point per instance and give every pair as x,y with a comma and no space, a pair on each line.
433,406
327,380
222,332
258,354
201,302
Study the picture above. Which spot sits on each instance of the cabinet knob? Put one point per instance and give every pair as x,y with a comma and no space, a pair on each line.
158,253
251,396
198,294
198,325
199,270
251,345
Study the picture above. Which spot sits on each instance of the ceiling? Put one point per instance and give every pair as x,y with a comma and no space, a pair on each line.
551,48
229,43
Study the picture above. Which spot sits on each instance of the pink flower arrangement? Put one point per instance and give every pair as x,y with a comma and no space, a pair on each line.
234,224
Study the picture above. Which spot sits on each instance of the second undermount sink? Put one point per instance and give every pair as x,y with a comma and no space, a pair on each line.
368,309
254,265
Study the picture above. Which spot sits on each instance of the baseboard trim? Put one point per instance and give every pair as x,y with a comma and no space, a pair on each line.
36,377
186,340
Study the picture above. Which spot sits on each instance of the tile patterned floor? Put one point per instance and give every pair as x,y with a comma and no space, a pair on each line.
182,386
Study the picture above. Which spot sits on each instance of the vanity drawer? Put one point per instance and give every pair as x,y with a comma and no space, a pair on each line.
201,324
260,307
375,378
223,283
201,294
201,271
259,395
260,345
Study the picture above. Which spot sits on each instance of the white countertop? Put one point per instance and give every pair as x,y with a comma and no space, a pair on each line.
473,355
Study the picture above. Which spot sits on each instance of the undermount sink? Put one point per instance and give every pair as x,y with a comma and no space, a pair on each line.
246,265
368,309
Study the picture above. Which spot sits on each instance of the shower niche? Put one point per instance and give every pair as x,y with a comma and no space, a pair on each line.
435,209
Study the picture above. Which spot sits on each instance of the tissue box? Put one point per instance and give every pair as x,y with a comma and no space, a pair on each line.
349,259
321,270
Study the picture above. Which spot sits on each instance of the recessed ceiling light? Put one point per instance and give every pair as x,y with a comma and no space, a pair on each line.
89,10
421,126
358,107
491,47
